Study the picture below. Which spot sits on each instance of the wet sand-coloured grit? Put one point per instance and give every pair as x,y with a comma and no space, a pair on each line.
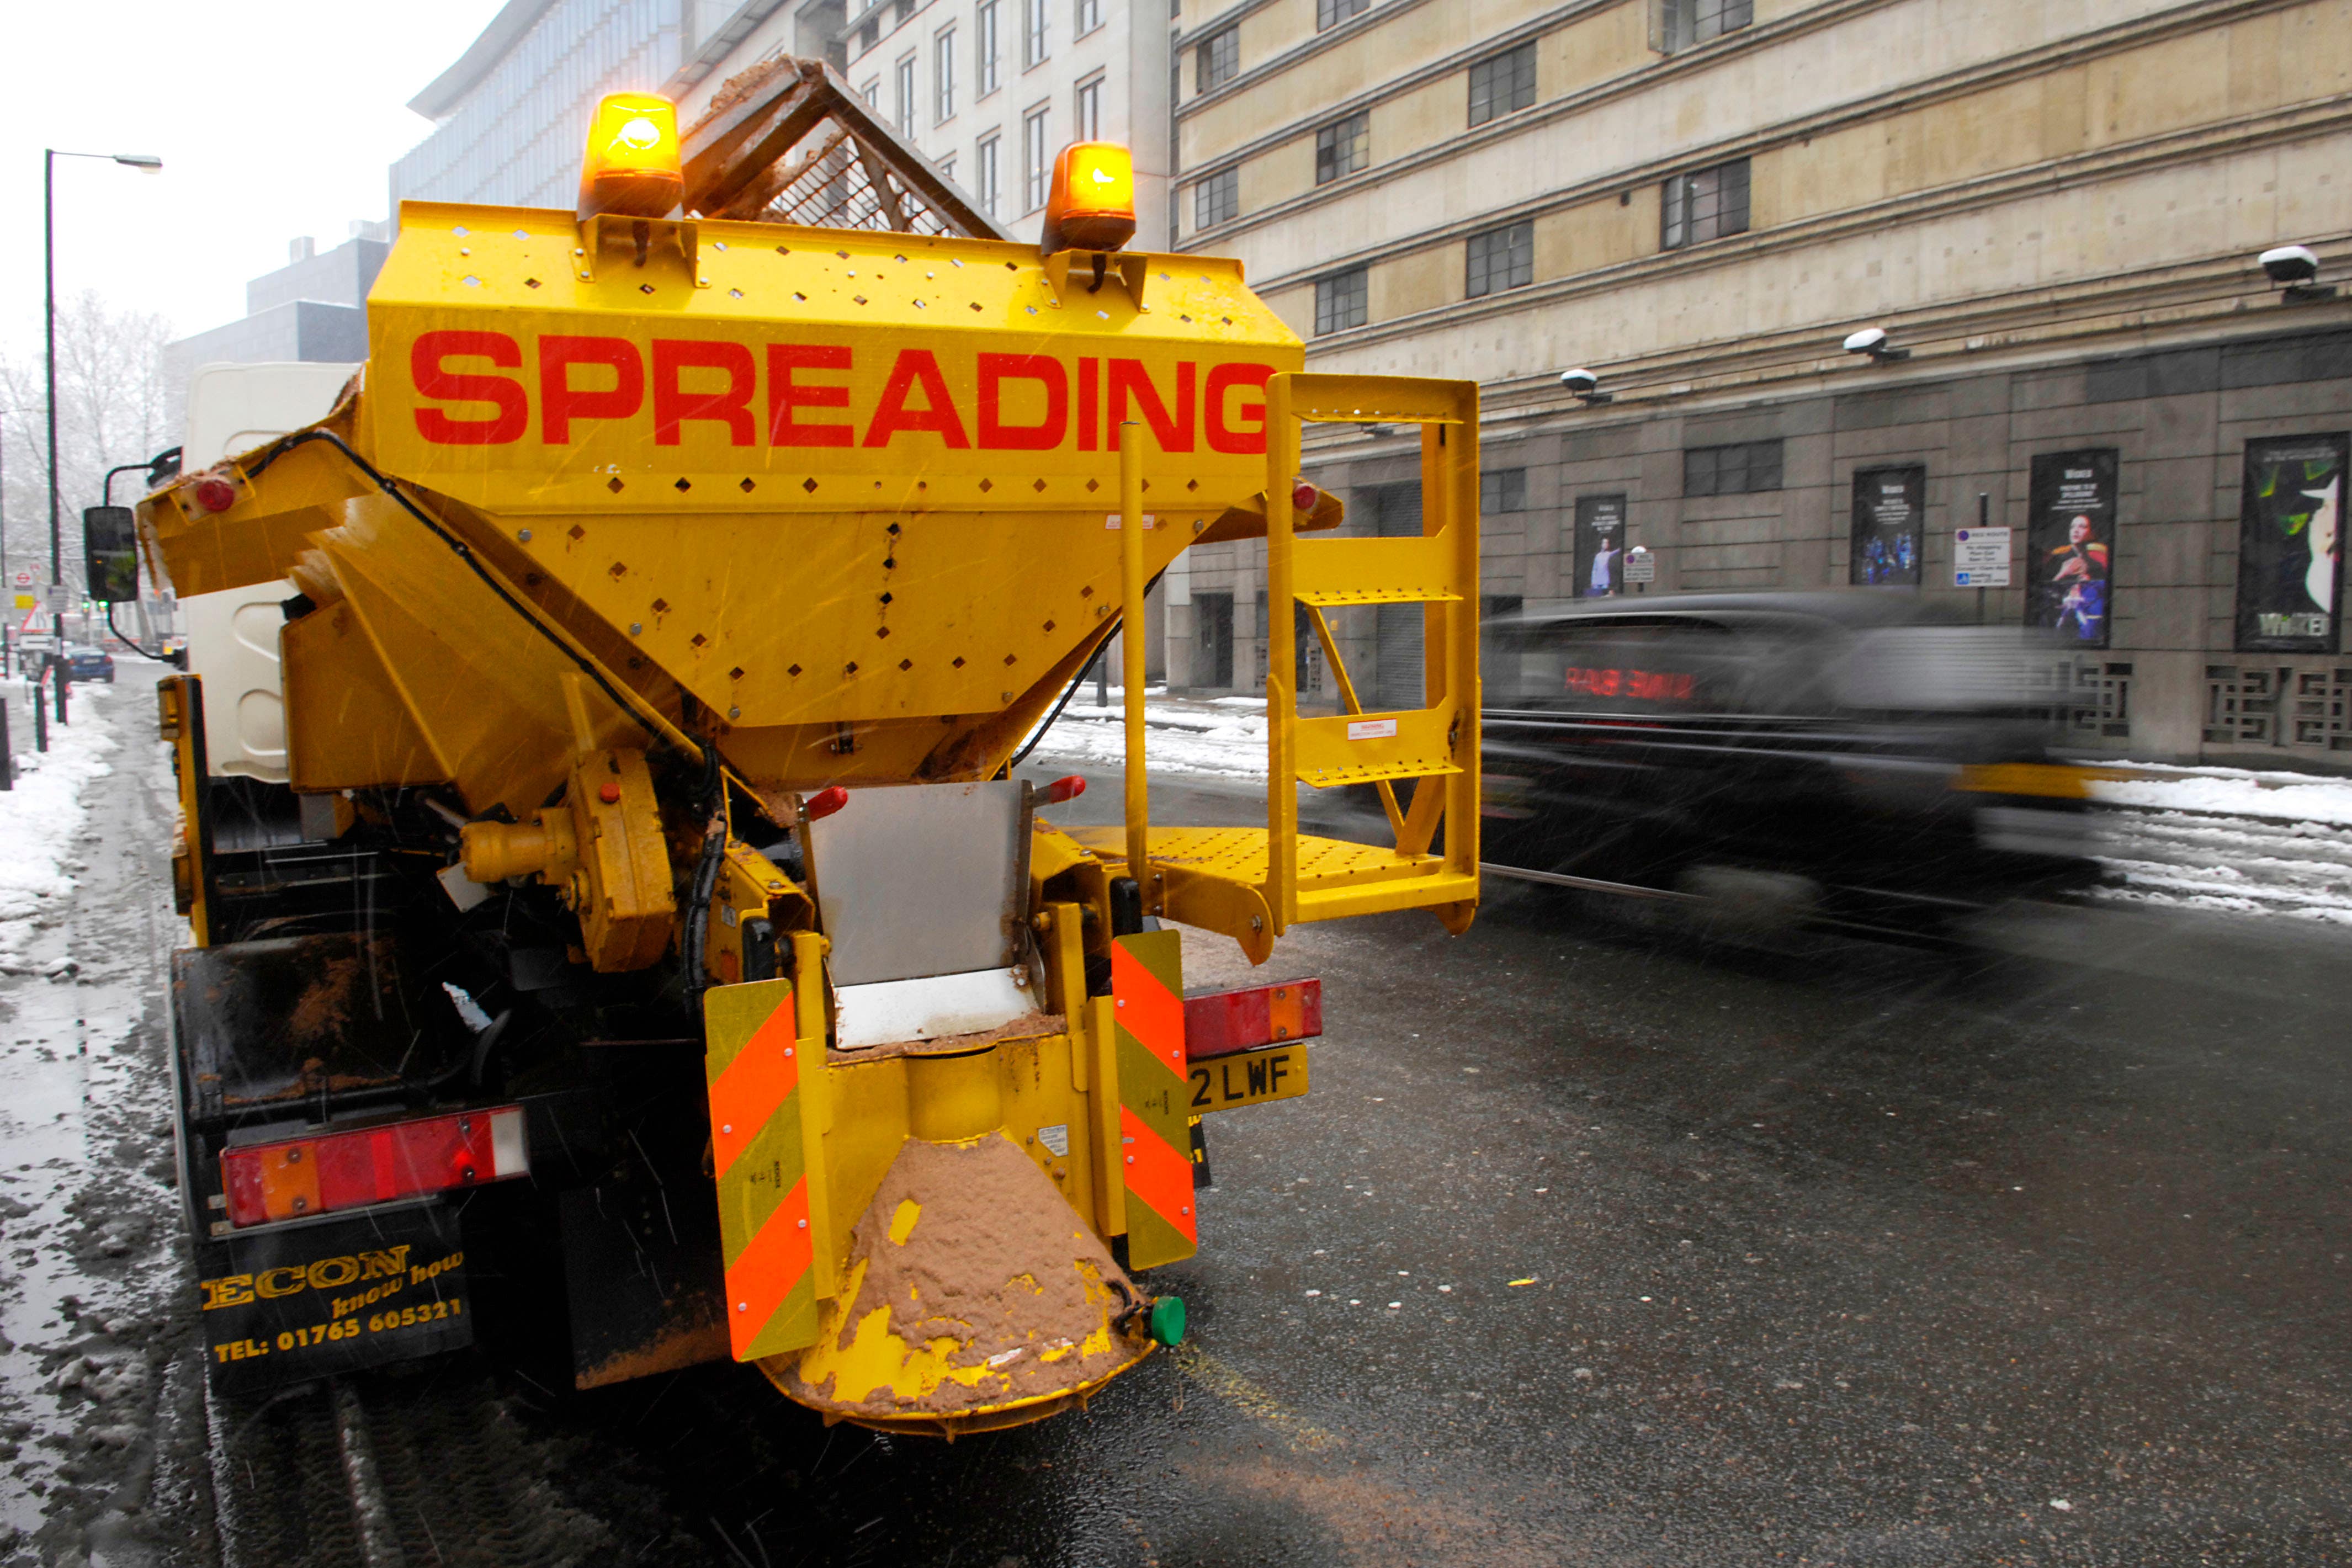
992,1288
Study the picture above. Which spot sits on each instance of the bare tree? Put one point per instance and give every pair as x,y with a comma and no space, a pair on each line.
112,408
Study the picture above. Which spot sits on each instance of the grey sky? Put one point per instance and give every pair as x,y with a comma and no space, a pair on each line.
274,118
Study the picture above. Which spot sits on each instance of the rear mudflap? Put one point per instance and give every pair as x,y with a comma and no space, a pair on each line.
287,1303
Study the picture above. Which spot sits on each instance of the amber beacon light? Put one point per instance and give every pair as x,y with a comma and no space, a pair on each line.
1093,204
631,169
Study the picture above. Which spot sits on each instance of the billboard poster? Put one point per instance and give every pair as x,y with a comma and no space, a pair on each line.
2070,544
1890,510
2290,545
1599,545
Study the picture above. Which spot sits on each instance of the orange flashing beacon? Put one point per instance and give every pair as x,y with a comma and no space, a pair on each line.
632,168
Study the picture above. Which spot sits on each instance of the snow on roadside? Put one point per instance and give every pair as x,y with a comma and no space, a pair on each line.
2232,792
42,817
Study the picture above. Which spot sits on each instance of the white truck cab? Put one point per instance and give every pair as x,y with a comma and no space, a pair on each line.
232,635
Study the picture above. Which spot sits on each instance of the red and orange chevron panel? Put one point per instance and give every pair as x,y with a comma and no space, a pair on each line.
759,1144
1147,987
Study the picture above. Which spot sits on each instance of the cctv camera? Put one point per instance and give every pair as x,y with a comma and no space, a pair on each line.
2291,264
1580,381
1869,340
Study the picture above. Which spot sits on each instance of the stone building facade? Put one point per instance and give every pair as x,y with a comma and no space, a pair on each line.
2052,212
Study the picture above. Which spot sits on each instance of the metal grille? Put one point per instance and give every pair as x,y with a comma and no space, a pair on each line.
787,142
2323,709
2241,705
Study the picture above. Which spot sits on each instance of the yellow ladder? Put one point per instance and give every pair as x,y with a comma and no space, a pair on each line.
1437,744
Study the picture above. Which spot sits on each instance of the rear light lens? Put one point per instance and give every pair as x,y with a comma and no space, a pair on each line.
303,1177
1303,496
1223,1022
216,495
1062,789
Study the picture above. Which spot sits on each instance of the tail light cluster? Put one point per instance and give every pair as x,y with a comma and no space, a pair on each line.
303,1177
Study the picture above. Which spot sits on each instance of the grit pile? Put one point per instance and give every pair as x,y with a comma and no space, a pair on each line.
997,1260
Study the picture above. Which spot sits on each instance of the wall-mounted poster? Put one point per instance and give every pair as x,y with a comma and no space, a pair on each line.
1890,510
2070,545
1599,545
2290,545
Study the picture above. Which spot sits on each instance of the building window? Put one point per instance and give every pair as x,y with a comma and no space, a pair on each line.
1503,83
1089,125
872,93
1090,18
1737,470
905,13
1682,23
943,77
1501,258
1032,32
1217,199
987,178
869,34
1331,13
1217,61
1339,300
1343,147
948,169
983,48
1704,204
1036,161
906,96
1502,490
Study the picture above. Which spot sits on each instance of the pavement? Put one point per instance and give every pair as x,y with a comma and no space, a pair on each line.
1592,1244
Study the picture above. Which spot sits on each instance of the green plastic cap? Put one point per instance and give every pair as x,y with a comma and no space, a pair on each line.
1167,1321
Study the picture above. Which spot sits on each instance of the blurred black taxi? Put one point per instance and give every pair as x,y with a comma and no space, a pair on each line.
1841,759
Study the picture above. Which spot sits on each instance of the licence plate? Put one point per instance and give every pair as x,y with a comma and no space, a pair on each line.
1249,1078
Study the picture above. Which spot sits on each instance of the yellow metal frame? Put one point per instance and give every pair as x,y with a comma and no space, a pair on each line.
1437,744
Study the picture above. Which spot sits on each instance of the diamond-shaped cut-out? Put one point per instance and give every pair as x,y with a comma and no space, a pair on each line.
661,606
986,485
1049,625
615,484
1092,486
644,289
1189,484
851,669
1012,658
747,487
1039,486
580,533
531,283
683,486
881,630
906,664
959,662
810,485
699,640
794,671
736,673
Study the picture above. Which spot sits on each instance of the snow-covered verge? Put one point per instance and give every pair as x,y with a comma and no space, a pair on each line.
43,816
101,1424
1199,738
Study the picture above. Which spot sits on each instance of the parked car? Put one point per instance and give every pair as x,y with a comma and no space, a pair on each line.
83,664
1848,759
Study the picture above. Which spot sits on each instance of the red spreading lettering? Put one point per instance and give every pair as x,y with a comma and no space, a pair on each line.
1128,378
783,396
916,368
995,369
503,393
673,404
560,402
1250,440
1089,405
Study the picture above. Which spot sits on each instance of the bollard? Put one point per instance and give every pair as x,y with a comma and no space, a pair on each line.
64,680
7,752
41,722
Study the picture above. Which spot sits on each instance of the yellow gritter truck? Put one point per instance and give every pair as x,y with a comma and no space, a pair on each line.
648,956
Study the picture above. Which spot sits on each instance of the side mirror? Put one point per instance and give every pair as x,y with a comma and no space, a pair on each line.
110,538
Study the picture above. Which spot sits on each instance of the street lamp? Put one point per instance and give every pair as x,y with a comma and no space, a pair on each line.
146,163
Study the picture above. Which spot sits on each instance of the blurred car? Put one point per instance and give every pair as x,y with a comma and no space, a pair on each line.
88,663
1842,758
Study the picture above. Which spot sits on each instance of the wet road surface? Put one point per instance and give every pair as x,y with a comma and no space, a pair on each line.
1592,1245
